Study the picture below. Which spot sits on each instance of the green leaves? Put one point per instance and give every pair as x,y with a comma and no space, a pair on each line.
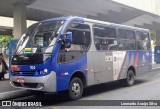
4,40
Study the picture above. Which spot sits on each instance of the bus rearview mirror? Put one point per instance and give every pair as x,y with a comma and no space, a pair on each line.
66,39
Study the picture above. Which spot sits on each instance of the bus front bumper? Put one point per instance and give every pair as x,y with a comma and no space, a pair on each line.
43,83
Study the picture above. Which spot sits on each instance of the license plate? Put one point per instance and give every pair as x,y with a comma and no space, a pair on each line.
20,80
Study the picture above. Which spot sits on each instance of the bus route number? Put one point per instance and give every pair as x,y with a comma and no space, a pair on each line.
32,67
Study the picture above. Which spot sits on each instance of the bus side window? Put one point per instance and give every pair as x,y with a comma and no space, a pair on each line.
143,42
121,46
126,39
105,38
80,43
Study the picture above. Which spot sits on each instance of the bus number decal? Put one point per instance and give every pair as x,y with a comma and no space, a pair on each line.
32,67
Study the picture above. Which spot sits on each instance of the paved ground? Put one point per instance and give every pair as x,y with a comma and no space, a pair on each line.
4,86
7,91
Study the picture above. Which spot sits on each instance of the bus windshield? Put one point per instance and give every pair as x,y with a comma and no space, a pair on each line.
39,38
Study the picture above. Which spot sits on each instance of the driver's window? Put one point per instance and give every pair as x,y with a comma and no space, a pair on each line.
80,42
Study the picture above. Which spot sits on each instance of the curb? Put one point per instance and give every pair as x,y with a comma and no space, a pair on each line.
13,94
155,69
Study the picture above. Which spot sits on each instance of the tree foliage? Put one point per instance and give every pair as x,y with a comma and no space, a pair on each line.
4,40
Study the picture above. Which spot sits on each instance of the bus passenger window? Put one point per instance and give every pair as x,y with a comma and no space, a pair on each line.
80,42
143,42
112,43
105,38
126,45
121,46
126,39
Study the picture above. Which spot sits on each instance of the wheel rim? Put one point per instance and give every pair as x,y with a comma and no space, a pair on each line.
130,78
76,88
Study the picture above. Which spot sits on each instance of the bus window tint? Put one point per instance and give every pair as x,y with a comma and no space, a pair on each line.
81,37
126,39
126,45
80,42
122,34
126,34
142,40
110,32
105,38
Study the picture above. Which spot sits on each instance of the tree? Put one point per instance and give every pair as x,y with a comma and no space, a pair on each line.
4,40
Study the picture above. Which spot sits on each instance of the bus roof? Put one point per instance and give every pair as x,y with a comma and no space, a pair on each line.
58,18
96,21
114,24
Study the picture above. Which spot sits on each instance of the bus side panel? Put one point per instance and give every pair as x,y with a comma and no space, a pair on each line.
66,70
118,61
103,67
144,62
129,60
90,67
140,60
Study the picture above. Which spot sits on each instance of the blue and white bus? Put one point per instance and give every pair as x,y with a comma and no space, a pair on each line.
71,53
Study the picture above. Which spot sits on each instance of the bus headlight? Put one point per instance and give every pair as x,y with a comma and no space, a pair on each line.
42,72
45,71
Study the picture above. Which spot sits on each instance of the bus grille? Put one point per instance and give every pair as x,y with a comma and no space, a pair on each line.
23,73
27,85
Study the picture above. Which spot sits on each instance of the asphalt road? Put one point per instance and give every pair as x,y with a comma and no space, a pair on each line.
146,88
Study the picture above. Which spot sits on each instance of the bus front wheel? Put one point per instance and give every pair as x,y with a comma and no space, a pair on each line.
75,88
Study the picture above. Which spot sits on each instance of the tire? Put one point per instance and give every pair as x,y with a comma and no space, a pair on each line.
75,88
129,81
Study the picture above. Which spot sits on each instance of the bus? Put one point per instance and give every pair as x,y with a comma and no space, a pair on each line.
71,53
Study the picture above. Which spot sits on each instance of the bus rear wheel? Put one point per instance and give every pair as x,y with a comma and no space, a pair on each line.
75,88
129,81
130,78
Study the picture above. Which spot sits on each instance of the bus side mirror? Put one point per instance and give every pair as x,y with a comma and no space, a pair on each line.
66,39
